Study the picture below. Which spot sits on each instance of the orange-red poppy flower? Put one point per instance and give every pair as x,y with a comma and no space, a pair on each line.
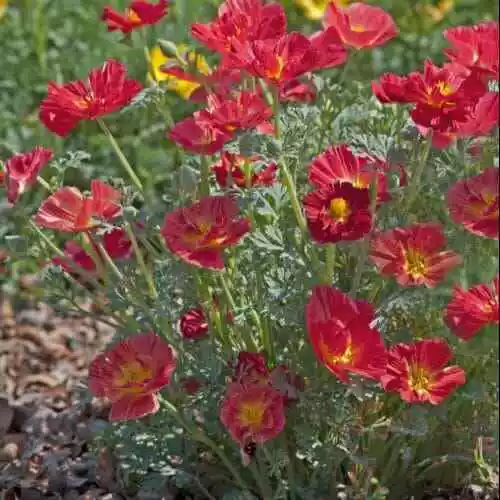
199,233
340,332
339,212
76,260
250,367
473,203
240,21
252,413
279,61
235,170
130,373
472,309
360,25
475,47
117,244
419,373
71,211
106,90
330,50
22,170
193,324
245,110
414,255
298,91
139,13
197,138
339,164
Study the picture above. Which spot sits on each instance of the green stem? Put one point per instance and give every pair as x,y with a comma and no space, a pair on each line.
417,177
89,245
43,183
199,435
110,263
330,253
204,176
276,111
146,272
119,153
292,192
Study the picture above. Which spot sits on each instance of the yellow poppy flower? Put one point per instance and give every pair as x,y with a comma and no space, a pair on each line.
182,87
315,9
437,12
3,7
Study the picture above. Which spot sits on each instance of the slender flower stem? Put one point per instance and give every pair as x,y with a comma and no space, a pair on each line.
292,192
276,111
330,253
140,260
119,153
109,262
90,246
199,435
417,177
204,176
43,183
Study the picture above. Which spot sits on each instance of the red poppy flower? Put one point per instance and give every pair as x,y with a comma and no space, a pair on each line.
417,371
472,309
473,202
281,60
197,138
191,385
482,118
297,91
250,367
360,25
106,90
70,211
340,212
22,171
329,48
413,254
75,260
239,21
442,96
244,111
199,233
234,170
342,339
475,47
339,164
130,373
139,13
252,413
117,244
193,324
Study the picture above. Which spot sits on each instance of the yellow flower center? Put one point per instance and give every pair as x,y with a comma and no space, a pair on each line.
419,379
132,16
345,358
251,414
275,73
445,88
339,209
132,376
415,263
358,28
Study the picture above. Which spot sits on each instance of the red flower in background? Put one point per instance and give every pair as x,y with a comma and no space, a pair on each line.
246,110
235,170
339,164
191,385
130,373
281,60
360,25
330,51
22,170
473,202
75,260
193,324
417,371
472,309
199,233
250,368
297,91
475,47
340,334
197,138
252,413
442,96
117,244
70,211
241,21
339,212
106,90
139,13
413,254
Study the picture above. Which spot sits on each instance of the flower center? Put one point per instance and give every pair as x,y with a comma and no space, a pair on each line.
339,209
419,379
251,414
346,358
415,263
196,235
445,88
275,72
133,375
358,28
132,16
